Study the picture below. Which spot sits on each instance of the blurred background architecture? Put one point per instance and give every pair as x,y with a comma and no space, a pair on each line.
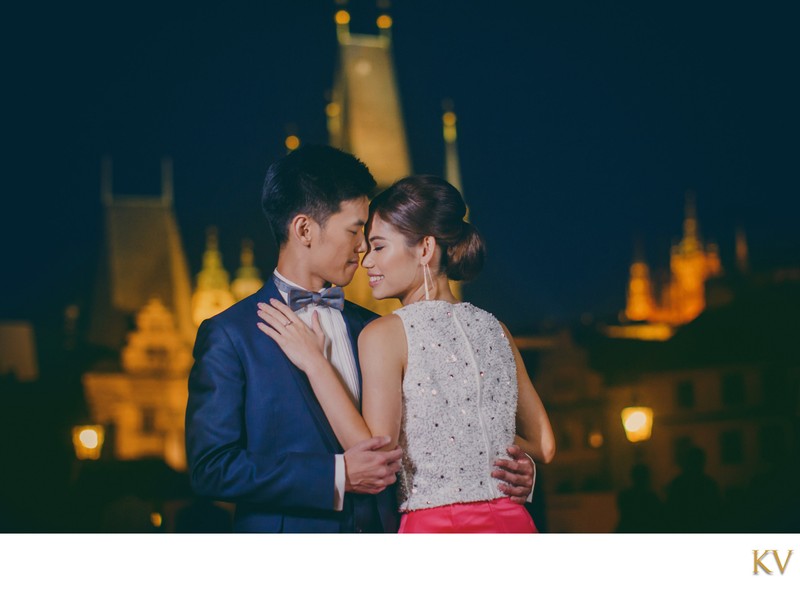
704,355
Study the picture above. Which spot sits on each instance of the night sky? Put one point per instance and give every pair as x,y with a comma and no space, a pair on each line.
581,127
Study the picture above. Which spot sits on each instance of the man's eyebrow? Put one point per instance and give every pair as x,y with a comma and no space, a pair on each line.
372,238
359,223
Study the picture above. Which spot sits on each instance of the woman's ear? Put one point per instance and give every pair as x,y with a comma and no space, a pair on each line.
428,249
300,229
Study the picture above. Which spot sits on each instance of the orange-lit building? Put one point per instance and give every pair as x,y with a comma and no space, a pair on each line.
683,297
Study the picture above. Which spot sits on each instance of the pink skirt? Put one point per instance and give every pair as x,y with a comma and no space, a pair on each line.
498,516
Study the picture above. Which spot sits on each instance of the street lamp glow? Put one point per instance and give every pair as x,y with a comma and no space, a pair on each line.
638,423
88,441
89,438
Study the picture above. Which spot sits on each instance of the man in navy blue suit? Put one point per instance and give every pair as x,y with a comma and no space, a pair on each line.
255,433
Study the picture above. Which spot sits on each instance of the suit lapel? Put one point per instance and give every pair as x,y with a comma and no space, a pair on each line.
304,388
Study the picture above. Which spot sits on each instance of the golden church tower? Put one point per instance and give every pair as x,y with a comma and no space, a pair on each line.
365,118
248,278
691,264
682,298
213,293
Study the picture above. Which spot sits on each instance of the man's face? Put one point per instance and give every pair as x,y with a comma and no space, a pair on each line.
340,241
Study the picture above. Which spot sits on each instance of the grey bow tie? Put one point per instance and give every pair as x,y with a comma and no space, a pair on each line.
332,297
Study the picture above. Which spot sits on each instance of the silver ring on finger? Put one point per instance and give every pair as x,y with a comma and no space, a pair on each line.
287,323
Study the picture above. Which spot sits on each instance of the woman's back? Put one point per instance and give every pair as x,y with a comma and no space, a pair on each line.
459,404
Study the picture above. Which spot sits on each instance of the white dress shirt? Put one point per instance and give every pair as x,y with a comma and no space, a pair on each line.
339,351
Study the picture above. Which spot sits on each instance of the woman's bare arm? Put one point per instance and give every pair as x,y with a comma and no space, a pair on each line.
382,352
534,432
381,395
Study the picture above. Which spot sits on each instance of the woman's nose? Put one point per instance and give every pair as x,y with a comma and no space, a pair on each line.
366,262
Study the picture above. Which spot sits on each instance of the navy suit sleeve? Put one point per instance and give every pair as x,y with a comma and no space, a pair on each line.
220,464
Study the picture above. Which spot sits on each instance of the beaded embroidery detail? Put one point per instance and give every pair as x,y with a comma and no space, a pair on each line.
459,404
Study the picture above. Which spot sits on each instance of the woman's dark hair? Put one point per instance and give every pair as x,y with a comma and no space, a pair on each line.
426,205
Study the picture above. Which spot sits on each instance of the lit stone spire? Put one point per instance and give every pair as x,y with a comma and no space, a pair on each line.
691,239
640,304
451,163
248,278
213,293
365,118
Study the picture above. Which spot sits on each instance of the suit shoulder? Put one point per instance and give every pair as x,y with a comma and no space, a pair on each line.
243,310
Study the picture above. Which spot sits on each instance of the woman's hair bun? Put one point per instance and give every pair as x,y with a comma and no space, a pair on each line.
426,205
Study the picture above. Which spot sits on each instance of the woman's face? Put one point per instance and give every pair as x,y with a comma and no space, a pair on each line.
393,267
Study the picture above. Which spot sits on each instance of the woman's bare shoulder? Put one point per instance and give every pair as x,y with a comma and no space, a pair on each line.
385,327
384,338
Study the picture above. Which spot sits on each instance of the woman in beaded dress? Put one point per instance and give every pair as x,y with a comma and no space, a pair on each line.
442,378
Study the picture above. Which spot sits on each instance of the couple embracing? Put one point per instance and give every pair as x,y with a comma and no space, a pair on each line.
305,409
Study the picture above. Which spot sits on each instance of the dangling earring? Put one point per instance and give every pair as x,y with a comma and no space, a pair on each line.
425,273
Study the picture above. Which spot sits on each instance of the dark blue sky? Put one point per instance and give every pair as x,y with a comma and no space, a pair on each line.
581,126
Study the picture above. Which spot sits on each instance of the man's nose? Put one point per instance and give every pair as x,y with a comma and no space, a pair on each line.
362,244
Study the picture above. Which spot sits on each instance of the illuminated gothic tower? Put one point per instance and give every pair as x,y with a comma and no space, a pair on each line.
691,264
143,257
683,298
143,275
365,118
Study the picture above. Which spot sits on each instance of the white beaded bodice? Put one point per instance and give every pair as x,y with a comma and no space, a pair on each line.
459,404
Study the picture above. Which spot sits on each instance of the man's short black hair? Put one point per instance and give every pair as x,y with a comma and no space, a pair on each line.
313,180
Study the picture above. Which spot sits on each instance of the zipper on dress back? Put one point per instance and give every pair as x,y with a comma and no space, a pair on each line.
484,432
